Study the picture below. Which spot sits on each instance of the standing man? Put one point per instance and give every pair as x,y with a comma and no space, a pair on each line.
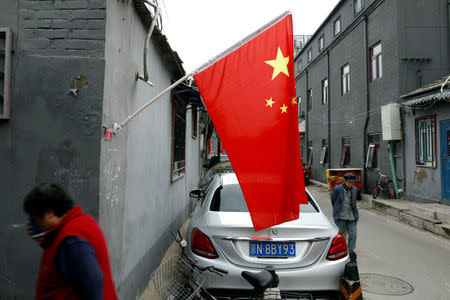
75,263
345,212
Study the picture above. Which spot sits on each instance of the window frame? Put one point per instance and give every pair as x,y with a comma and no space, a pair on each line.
345,90
325,92
177,173
309,55
336,21
372,148
321,39
345,152
426,164
378,58
309,96
376,144
354,7
194,122
324,155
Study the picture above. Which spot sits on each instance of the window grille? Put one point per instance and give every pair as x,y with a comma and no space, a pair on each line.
178,137
426,141
5,71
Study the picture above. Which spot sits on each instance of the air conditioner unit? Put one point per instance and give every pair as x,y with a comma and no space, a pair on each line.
390,121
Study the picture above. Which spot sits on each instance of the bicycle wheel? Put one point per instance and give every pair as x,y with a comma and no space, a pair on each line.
375,192
390,189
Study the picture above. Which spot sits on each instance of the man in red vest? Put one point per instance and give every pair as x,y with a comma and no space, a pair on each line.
75,263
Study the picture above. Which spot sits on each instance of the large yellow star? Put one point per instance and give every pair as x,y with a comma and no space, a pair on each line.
279,64
283,109
294,100
270,102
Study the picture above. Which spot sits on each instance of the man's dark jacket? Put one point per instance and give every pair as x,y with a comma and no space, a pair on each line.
337,197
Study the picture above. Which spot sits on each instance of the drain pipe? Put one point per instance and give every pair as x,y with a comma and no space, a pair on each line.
147,44
306,123
329,110
366,124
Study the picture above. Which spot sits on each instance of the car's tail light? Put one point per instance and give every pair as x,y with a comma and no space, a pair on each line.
201,245
338,248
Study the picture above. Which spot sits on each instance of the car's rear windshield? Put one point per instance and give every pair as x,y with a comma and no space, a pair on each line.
229,198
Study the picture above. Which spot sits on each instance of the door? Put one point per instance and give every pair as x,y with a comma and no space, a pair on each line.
445,159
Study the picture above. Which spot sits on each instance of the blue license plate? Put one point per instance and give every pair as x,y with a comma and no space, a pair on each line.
272,249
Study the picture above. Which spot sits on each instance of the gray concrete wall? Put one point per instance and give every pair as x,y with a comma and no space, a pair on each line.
138,201
423,184
52,135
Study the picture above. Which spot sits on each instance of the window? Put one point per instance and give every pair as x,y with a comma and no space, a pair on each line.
345,154
324,153
309,100
310,153
374,143
178,138
194,122
337,26
309,55
426,141
321,43
325,91
345,71
300,65
234,201
358,4
376,65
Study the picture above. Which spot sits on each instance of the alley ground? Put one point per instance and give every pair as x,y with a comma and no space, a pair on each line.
388,247
387,250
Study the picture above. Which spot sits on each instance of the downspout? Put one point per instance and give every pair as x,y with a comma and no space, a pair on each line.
365,189
147,44
329,109
306,122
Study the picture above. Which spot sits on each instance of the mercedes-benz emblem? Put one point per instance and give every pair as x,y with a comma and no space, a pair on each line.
273,232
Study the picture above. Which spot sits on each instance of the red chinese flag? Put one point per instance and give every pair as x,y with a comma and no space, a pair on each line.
250,96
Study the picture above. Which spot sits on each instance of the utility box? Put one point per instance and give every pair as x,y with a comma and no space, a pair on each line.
390,120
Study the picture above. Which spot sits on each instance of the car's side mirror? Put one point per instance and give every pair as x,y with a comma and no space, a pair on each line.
196,194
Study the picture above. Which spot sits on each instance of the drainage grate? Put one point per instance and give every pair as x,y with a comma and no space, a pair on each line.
384,285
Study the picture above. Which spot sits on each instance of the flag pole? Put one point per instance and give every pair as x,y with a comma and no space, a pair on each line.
118,126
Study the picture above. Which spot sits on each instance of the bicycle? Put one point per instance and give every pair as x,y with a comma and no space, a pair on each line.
186,281
386,186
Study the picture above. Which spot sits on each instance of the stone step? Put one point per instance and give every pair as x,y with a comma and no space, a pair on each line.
391,207
440,229
424,212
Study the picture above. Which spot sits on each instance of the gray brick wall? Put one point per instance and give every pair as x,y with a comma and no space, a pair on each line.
403,28
62,28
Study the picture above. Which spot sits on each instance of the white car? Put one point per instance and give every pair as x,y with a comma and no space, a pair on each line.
309,254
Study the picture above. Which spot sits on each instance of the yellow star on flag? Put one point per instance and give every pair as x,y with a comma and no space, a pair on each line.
270,102
279,64
294,100
283,109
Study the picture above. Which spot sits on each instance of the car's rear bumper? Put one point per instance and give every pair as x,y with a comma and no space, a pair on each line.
323,276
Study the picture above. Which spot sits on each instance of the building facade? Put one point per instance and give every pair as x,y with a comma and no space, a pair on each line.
426,114
73,67
365,55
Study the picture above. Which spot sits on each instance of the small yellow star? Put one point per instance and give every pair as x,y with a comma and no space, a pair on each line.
284,109
294,100
270,102
279,64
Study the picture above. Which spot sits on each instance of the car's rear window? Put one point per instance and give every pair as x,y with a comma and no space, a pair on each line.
229,198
